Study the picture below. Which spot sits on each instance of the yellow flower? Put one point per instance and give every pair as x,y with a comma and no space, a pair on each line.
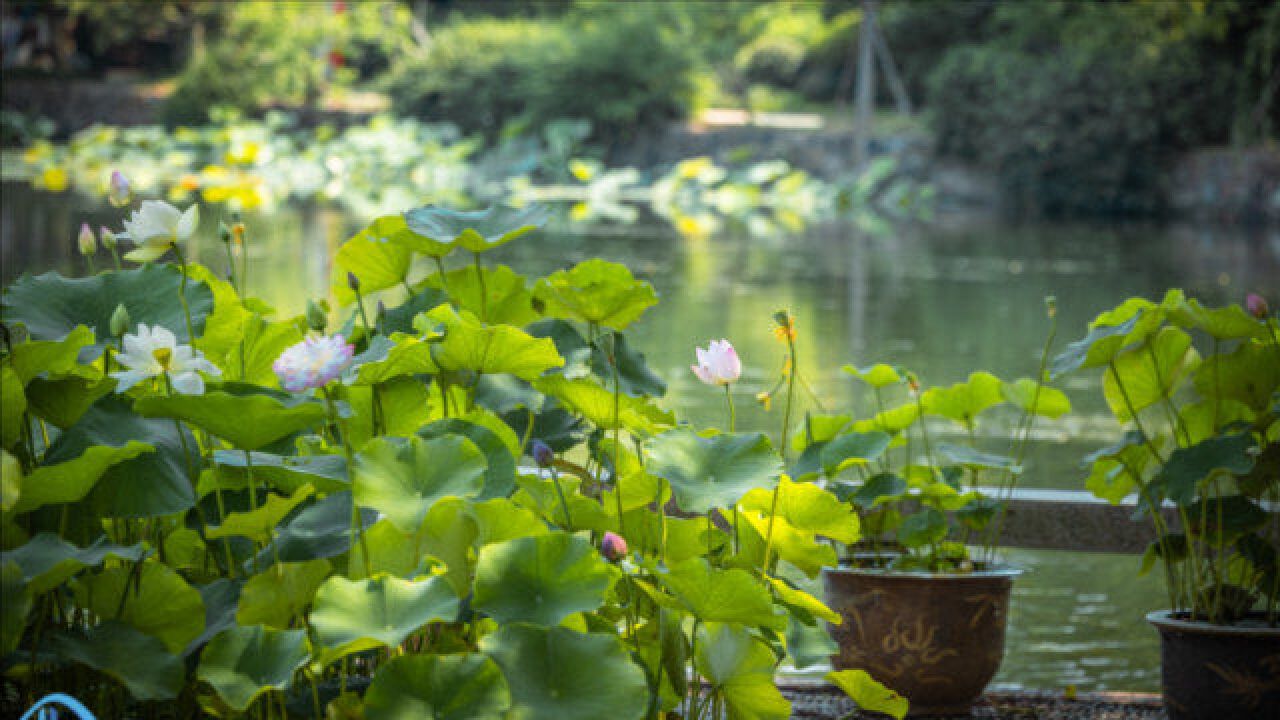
53,179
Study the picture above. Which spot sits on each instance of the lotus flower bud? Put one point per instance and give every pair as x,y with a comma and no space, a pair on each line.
317,316
1257,305
107,238
87,242
542,454
224,233
353,282
119,191
120,321
613,547
1051,306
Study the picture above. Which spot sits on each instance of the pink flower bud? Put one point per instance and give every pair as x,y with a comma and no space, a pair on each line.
613,547
108,237
1257,305
119,192
87,242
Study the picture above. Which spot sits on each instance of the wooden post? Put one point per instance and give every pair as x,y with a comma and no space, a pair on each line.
866,85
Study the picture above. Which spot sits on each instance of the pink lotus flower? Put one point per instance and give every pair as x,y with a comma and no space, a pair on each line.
1257,305
313,363
718,364
613,547
88,244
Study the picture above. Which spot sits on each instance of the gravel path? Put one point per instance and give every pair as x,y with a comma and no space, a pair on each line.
815,702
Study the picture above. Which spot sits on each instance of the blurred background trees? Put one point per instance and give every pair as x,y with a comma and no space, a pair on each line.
1073,105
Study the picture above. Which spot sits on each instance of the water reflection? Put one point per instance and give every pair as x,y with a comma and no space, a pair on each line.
943,299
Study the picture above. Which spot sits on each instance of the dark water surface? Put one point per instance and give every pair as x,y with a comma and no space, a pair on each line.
943,299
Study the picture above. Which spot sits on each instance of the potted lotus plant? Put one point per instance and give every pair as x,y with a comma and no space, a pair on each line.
922,596
1196,390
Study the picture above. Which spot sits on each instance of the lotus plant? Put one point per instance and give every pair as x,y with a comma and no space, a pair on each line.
719,365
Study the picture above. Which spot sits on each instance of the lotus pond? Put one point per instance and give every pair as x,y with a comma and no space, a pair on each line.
943,299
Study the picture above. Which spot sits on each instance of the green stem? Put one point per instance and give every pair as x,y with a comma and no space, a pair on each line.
231,267
357,532
768,535
564,503
182,294
728,397
115,257
791,394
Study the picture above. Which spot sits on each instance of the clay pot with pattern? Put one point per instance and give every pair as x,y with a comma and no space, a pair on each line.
937,639
1215,672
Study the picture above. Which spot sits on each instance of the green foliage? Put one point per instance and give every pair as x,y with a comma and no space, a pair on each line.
379,527
1200,434
623,67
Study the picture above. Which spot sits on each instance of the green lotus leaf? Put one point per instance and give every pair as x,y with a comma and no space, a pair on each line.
893,420
223,410
740,668
69,481
405,404
1036,398
475,231
634,374
443,687
807,508
449,534
495,440
51,306
399,319
572,346
262,342
391,552
712,472
10,481
46,560
471,345
1249,374
320,530
877,376
394,229
16,599
714,594
1180,477
798,547
964,401
799,600
280,594
241,663
1111,475
137,660
13,406
1149,373
585,513
926,526
501,297
501,519
224,327
558,674
540,579
403,478
63,402
818,428
852,448
589,398
1226,518
869,694
259,524
286,473
393,357
596,292
147,485
53,359
159,603
879,488
965,455
376,262
1095,349
809,646
1225,323
638,487
350,616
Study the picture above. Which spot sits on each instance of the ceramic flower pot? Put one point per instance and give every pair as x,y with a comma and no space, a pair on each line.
937,639
1214,672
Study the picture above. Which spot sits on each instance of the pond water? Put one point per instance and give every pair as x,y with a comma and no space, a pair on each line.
944,299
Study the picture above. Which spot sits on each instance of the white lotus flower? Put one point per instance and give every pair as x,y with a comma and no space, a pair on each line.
718,364
155,352
156,226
